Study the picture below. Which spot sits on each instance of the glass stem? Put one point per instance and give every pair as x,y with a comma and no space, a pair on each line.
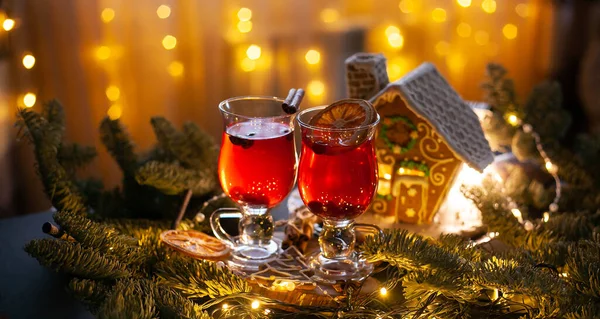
256,226
337,239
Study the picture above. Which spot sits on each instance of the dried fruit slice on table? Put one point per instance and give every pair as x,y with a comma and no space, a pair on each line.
195,244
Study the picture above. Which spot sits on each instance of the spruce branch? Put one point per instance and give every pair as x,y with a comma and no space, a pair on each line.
410,251
130,299
73,155
173,179
54,113
72,258
203,144
101,238
172,305
119,145
46,139
500,91
197,279
91,292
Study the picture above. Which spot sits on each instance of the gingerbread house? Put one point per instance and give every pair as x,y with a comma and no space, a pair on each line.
426,132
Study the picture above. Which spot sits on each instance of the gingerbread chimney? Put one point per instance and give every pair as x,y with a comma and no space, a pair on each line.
366,75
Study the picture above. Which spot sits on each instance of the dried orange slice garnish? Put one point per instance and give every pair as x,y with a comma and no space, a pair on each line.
195,244
345,113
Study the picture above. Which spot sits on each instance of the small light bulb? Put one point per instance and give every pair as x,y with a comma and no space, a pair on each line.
510,31
169,42
438,15
225,306
516,212
163,11
312,57
253,52
383,291
244,14
512,119
244,26
464,3
329,15
29,99
8,24
107,15
113,93
255,304
546,217
28,61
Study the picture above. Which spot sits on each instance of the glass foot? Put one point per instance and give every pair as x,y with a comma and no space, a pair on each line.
339,269
250,257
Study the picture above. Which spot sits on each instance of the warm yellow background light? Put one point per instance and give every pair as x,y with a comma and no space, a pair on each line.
113,93
391,30
442,48
114,112
488,6
244,26
438,15
312,57
8,24
464,30
522,10
103,53
407,6
329,15
464,3
315,88
169,42
28,61
248,65
163,11
175,68
510,31
107,15
244,14
253,52
255,304
396,40
29,99
394,71
482,37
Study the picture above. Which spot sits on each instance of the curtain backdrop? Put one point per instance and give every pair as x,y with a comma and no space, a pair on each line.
84,47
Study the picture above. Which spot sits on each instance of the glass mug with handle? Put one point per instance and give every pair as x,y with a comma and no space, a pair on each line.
257,170
337,180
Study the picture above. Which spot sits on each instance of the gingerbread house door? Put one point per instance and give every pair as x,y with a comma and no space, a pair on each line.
410,192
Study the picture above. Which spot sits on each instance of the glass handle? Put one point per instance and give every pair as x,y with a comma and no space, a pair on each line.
369,228
217,228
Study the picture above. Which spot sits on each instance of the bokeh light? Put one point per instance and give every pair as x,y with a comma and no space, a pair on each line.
391,30
329,15
175,68
29,99
107,15
253,52
244,14
114,112
464,3
248,65
28,61
312,57
442,48
315,88
113,93
8,24
163,11
244,26
522,9
488,6
438,15
103,53
396,40
463,30
510,31
169,42
408,6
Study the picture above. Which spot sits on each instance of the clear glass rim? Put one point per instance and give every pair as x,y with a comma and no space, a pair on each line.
333,129
253,97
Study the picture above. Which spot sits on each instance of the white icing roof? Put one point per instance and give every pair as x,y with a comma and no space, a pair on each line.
428,94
